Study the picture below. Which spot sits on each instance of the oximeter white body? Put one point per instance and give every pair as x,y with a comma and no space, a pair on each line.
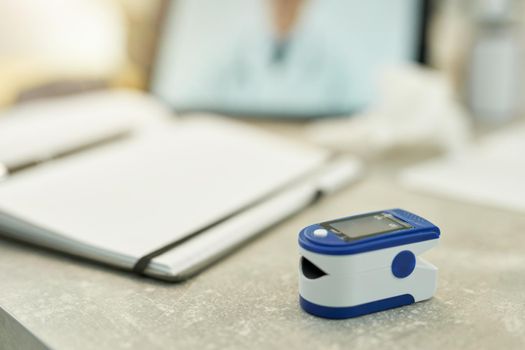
366,263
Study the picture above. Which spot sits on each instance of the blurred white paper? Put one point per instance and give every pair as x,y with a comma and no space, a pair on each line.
491,173
42,129
417,107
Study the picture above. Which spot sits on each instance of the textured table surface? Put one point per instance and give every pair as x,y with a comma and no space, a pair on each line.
250,300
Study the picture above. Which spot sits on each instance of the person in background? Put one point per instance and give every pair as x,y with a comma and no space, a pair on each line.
283,58
287,63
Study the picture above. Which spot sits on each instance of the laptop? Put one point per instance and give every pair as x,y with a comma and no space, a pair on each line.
294,59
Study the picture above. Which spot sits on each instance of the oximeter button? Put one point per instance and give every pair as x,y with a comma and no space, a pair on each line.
320,232
403,264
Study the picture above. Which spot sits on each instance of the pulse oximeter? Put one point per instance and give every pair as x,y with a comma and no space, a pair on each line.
366,263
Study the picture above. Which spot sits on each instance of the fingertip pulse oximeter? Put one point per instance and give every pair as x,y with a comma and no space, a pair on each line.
366,263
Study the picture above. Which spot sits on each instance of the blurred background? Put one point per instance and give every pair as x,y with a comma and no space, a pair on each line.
67,46
370,77
59,46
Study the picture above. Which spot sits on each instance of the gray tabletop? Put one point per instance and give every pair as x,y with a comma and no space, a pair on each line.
250,299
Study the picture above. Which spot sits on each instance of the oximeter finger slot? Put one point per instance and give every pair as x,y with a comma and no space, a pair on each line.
310,270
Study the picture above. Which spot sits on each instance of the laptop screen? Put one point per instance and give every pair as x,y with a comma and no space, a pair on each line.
284,58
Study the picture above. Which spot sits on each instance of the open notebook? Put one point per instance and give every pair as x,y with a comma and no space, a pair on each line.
164,197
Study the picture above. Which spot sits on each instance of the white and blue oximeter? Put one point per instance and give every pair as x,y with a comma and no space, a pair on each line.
366,263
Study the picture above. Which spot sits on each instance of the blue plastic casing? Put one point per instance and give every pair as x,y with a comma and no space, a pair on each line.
421,230
337,313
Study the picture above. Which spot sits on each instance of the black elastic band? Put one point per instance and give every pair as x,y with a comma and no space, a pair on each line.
141,265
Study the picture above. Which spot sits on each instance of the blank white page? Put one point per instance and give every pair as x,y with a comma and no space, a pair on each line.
137,195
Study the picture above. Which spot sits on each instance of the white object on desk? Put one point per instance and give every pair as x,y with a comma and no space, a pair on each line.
491,173
416,108
124,200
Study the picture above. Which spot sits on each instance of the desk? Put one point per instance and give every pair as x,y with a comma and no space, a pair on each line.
249,300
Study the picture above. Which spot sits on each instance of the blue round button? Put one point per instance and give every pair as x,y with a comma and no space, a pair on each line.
403,264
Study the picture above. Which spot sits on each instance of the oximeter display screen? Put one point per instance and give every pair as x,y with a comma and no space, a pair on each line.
366,225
